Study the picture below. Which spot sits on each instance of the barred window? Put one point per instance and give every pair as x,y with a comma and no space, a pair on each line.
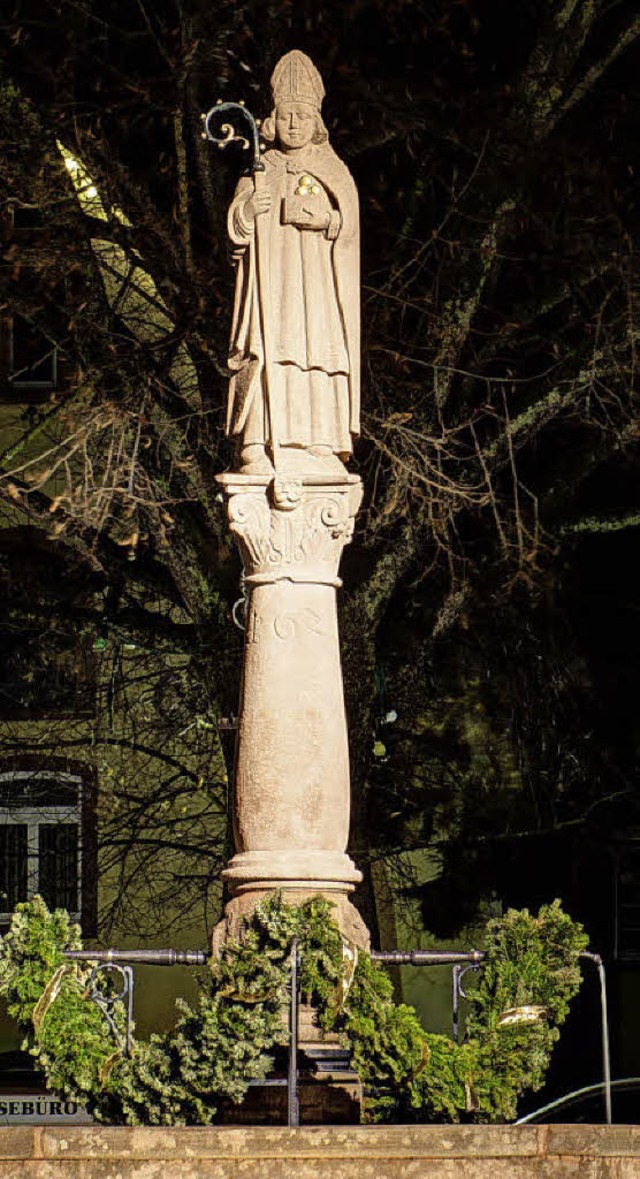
29,360
33,360
40,839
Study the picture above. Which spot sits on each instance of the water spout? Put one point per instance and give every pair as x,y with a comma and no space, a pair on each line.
606,1052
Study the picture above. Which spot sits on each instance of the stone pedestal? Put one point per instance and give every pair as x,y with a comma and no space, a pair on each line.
291,802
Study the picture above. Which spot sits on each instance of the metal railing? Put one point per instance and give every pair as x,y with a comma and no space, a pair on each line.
460,962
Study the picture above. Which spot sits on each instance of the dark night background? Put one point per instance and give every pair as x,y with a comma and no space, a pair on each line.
491,596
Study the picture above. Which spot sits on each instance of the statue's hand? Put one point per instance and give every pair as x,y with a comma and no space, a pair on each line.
334,225
259,202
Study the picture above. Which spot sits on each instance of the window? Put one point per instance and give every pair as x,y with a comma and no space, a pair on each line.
29,361
41,847
33,360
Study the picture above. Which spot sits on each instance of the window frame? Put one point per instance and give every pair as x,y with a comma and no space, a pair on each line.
17,390
14,390
15,381
81,813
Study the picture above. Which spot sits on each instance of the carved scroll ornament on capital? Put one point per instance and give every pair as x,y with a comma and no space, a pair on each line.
302,544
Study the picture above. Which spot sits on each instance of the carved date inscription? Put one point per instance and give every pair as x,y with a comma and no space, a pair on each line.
287,625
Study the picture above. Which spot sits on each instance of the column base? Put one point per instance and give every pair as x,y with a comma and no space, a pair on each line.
294,892
322,870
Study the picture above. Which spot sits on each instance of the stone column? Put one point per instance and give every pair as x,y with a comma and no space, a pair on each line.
291,801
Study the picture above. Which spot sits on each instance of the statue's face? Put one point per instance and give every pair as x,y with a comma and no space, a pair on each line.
295,124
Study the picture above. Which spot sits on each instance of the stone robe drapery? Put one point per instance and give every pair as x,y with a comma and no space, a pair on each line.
303,291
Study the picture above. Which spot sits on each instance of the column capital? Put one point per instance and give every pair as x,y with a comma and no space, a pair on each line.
291,527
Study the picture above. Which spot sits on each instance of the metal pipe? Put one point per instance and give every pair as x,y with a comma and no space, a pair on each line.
201,957
391,957
293,1103
455,1002
604,1017
427,957
621,1083
141,957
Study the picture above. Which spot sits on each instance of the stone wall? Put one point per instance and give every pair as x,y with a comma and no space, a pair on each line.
329,1152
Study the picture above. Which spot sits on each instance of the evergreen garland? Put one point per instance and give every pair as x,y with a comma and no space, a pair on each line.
526,983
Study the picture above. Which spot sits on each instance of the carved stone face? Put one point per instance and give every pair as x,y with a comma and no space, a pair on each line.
295,124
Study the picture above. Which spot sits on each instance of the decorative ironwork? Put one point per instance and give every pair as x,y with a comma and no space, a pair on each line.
122,962
225,123
460,962
239,608
457,974
108,1000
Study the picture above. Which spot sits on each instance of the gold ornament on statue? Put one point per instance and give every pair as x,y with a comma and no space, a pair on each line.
306,186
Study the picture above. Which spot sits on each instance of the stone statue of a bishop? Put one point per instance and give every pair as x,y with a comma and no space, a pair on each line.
295,342
293,412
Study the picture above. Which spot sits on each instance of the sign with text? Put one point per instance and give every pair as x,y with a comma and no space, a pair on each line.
41,1109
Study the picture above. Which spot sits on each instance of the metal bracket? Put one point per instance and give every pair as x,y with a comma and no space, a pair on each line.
107,1001
457,974
240,605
